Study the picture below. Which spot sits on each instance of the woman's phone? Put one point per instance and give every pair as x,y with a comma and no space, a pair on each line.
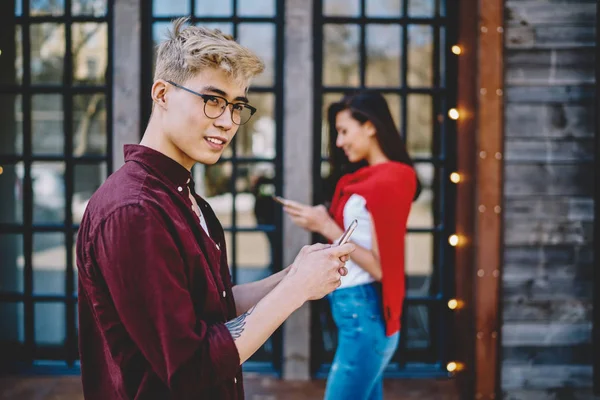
346,236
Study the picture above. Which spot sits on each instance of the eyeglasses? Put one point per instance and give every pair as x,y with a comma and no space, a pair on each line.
214,106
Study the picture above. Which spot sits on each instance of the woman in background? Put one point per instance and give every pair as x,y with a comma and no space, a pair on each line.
375,183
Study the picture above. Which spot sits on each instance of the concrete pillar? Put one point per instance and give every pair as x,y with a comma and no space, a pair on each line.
126,76
297,179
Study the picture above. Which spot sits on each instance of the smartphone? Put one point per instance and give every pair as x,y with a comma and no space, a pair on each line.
346,236
280,200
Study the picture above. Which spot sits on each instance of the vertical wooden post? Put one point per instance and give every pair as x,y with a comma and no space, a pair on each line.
488,233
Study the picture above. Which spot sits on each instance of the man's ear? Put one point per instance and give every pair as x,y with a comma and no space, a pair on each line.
159,93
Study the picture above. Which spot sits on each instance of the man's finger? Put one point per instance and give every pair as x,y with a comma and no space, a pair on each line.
345,249
343,271
318,246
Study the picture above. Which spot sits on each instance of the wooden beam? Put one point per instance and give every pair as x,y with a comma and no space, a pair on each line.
465,194
490,140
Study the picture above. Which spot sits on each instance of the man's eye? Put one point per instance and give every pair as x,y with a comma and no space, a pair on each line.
238,107
213,101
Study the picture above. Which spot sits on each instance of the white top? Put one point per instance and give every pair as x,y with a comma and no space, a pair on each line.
355,208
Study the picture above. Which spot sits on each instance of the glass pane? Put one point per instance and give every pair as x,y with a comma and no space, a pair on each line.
393,101
96,8
159,33
256,8
420,56
11,115
213,182
342,8
421,213
11,51
88,179
11,262
13,323
383,55
48,192
256,138
340,55
47,124
49,263
260,38
420,125
225,27
442,62
222,8
255,186
89,124
90,53
11,187
75,272
418,331
163,8
18,7
384,8
419,262
47,53
421,8
252,250
49,324
46,7
251,274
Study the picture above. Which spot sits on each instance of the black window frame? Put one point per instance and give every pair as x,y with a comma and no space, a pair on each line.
444,98
274,365
30,356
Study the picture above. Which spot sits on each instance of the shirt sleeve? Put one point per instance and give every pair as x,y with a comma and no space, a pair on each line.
145,275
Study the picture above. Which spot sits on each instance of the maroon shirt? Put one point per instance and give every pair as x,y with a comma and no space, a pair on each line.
154,289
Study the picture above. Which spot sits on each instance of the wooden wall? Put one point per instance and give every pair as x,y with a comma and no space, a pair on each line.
548,199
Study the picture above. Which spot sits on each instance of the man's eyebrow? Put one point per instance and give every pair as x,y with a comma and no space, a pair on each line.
223,93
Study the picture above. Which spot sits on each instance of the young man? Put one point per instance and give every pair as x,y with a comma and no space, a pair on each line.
158,316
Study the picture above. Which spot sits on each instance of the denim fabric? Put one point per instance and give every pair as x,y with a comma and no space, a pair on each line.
363,349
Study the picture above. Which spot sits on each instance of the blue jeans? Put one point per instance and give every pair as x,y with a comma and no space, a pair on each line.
363,349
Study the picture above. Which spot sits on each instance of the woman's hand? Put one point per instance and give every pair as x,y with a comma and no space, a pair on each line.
312,218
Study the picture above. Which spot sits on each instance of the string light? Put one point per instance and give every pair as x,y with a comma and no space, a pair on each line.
455,177
1,170
453,113
453,240
453,304
454,366
456,49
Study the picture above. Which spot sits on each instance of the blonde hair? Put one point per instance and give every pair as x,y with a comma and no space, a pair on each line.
188,50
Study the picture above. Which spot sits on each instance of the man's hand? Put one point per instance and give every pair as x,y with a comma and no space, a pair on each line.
318,269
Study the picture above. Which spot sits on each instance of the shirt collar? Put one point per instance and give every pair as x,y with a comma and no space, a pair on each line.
158,163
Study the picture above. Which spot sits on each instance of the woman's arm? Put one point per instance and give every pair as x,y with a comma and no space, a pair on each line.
365,258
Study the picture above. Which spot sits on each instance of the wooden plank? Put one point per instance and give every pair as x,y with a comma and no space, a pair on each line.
534,310
554,120
542,232
550,94
552,355
549,394
546,334
466,126
546,287
546,376
549,151
543,179
490,141
554,257
540,12
550,67
550,37
550,208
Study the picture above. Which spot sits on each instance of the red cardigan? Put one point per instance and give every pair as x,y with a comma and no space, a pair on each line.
388,189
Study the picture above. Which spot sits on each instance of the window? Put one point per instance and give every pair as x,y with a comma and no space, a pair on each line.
401,49
239,186
55,151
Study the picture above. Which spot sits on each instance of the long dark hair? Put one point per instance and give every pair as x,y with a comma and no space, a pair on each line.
365,105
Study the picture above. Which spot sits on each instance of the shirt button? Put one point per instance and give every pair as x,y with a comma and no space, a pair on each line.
180,189
224,294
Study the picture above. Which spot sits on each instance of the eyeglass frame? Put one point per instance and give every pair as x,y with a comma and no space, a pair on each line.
206,97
